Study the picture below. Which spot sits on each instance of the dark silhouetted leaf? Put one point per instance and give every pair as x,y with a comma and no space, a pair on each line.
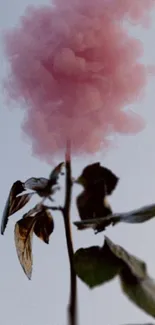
98,182
14,203
36,184
98,177
92,206
140,215
44,225
16,189
140,291
98,265
23,241
53,178
5,217
98,225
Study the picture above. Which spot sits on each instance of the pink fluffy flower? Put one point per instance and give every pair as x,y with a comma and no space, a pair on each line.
77,68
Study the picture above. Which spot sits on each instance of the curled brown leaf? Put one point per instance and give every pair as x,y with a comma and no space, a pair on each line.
14,202
39,221
23,241
44,225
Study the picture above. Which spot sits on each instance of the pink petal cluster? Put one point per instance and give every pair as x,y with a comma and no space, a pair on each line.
77,69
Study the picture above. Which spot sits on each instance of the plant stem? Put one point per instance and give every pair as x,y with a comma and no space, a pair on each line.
72,308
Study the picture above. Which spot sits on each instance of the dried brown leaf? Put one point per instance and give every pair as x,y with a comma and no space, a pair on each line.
44,225
39,221
14,203
19,202
23,241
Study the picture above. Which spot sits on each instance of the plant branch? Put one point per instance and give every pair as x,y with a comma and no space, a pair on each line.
72,308
53,208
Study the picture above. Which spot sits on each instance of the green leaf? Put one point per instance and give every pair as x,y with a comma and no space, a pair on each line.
135,281
136,266
140,291
98,265
95,265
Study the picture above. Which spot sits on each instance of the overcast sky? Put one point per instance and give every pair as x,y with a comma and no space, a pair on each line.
43,300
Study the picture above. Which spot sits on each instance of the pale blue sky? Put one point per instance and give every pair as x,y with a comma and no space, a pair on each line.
43,300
